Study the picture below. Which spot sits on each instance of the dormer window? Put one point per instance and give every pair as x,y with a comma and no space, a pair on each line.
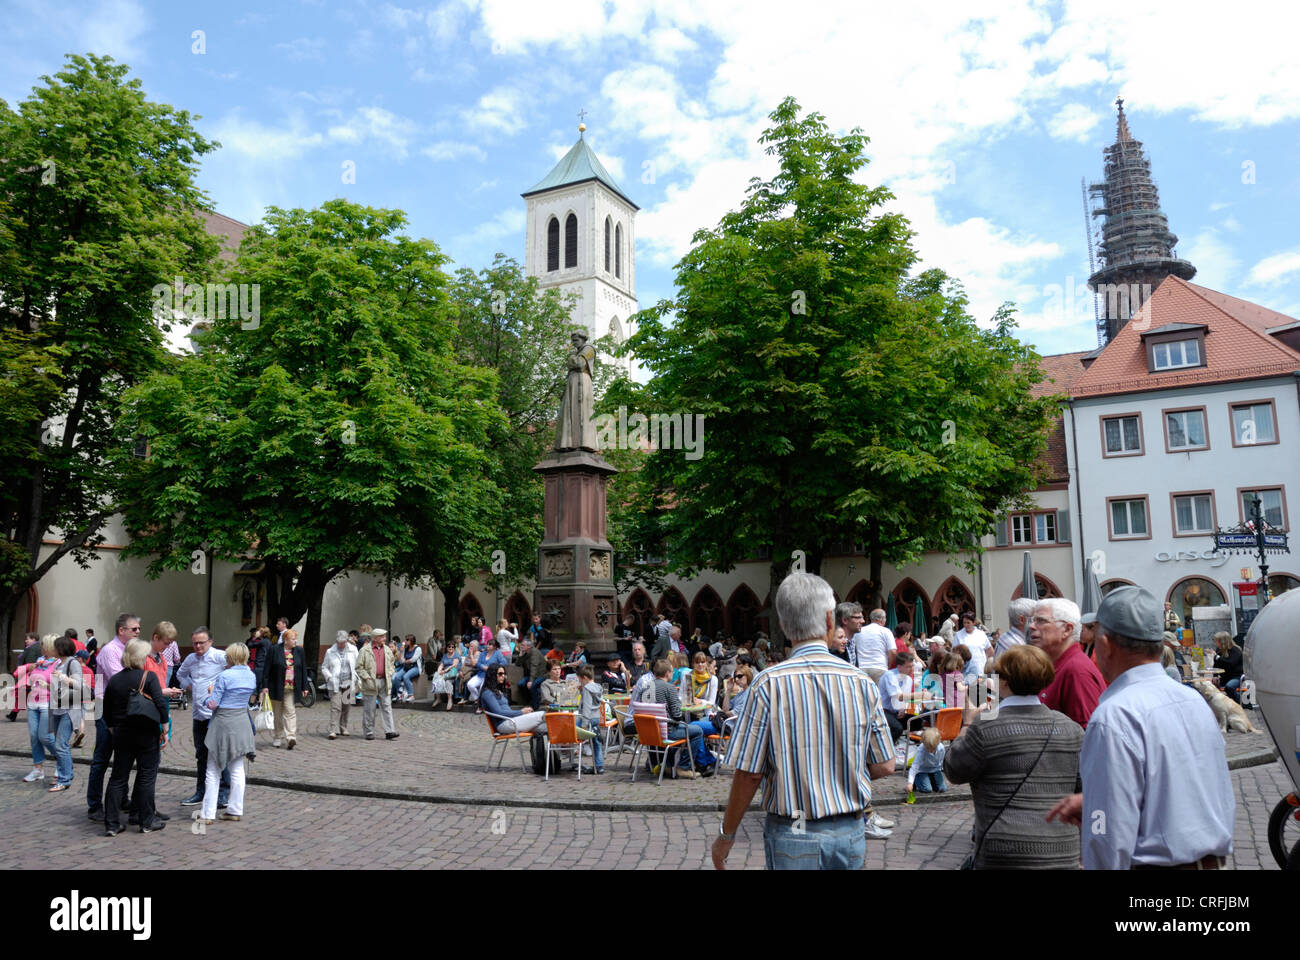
1176,353
1175,346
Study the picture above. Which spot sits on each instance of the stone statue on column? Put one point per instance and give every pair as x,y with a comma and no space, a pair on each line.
576,431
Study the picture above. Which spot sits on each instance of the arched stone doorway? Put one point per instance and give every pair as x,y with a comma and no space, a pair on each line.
641,609
469,608
743,610
518,610
953,596
1046,588
907,596
707,613
673,606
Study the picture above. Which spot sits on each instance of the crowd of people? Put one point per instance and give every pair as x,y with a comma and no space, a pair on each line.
1053,702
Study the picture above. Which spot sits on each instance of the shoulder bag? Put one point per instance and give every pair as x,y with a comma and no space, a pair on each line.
140,706
969,862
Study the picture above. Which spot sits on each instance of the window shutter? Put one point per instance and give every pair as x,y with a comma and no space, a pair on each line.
553,245
1002,532
1062,526
570,241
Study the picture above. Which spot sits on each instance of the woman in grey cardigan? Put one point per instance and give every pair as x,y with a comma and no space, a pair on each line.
1018,763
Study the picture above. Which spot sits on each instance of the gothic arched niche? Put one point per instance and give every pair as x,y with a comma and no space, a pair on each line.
743,610
952,597
673,606
707,612
641,609
469,608
616,330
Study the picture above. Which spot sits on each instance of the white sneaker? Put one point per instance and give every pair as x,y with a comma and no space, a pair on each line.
882,822
275,743
875,832
34,776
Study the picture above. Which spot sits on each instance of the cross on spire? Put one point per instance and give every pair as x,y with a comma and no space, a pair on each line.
1122,133
582,126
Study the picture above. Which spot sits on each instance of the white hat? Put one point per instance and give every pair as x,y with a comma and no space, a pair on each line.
379,632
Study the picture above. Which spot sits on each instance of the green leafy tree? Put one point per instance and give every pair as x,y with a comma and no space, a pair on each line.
97,205
508,325
332,433
825,375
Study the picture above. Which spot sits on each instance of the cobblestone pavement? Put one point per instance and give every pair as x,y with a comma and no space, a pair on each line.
440,757
294,829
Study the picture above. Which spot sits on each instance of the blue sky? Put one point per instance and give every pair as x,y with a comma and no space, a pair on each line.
983,117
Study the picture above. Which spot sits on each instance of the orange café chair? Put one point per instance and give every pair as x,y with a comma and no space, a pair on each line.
947,721
504,739
562,738
648,734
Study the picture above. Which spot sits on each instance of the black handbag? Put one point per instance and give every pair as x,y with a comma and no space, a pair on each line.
140,706
969,862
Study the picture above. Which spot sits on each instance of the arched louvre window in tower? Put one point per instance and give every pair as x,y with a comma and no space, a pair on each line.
607,244
570,241
618,251
553,245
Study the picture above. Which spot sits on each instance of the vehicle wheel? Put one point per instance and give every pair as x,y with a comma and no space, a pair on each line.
309,698
1284,834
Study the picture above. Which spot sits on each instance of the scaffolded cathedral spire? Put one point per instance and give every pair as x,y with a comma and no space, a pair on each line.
1137,248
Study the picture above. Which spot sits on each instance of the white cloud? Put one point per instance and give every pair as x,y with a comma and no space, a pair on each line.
669,43
508,223
303,48
451,150
266,144
1074,121
1272,270
499,110
1216,265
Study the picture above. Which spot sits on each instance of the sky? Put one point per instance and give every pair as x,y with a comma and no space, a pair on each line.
983,118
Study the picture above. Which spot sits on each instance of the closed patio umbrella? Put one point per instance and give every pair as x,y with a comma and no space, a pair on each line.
1028,586
891,614
1091,589
919,626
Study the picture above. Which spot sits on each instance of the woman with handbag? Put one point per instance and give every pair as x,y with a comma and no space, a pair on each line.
468,670
444,679
136,712
35,678
230,734
1012,799
67,683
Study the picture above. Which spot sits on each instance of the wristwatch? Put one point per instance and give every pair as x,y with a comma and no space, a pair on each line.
724,835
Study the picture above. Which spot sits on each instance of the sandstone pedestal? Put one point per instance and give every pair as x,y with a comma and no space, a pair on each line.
575,563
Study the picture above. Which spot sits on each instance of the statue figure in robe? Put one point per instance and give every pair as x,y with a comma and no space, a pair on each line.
576,431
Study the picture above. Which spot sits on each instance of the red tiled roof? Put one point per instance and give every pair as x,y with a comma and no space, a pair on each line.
1236,346
230,231
1060,371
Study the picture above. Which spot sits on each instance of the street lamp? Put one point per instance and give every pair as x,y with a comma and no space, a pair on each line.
1255,535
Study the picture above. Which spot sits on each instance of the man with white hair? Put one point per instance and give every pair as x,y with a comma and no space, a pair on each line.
1019,611
1078,684
872,646
814,733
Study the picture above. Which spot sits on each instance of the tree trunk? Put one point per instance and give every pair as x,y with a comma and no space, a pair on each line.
8,606
877,557
311,636
451,608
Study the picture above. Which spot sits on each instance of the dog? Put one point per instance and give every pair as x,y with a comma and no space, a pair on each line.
1229,715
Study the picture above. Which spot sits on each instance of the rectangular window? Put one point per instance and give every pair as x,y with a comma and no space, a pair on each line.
1021,528
1174,354
1270,506
1045,527
1185,430
1123,435
1193,513
1253,423
1128,518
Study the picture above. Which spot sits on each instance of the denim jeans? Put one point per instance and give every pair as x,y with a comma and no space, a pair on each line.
597,747
99,761
62,723
930,782
402,680
39,733
697,733
835,843
1233,689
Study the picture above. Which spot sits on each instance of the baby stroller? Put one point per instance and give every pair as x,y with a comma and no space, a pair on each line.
180,701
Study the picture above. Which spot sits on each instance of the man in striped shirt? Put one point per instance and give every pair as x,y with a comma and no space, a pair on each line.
812,731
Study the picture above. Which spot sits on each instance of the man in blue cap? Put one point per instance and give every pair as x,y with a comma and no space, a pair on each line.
1156,793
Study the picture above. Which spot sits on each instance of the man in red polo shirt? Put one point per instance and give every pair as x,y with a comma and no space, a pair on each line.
1078,685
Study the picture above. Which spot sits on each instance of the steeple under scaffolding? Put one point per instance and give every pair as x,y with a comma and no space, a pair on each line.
1136,249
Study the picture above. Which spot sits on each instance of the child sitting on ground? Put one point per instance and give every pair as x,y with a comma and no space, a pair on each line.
926,770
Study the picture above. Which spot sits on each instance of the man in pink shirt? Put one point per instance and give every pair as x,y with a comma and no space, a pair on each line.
1055,628
109,664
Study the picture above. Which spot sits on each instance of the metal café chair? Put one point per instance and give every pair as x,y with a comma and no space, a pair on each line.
504,740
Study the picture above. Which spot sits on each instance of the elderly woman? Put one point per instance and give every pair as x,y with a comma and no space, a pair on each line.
1228,659
1018,764
444,678
230,734
285,681
554,689
35,677
137,740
